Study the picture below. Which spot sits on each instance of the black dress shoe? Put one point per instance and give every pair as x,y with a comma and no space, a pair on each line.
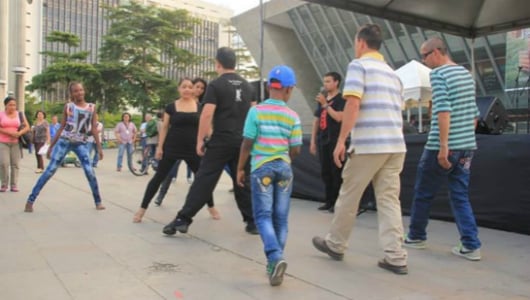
251,228
332,209
325,207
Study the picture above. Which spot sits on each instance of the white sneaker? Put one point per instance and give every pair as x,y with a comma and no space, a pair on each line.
416,244
462,251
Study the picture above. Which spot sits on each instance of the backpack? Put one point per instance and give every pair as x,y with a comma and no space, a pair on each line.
151,129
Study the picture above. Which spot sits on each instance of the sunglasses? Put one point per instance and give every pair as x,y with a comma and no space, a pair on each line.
425,55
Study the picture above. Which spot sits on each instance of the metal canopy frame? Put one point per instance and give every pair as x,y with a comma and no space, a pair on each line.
467,18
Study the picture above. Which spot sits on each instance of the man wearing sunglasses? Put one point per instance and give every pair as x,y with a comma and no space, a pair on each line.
448,152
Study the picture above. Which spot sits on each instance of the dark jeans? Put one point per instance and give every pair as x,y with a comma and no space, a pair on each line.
331,174
40,161
164,167
167,183
429,177
206,179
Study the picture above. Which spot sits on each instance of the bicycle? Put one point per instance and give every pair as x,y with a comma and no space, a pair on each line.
141,160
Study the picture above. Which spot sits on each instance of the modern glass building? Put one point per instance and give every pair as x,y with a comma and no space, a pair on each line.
322,37
84,18
87,20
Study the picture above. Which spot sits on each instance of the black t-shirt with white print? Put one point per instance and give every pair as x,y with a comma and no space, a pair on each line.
232,95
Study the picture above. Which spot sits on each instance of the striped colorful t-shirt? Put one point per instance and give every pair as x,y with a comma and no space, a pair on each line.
453,91
275,128
379,125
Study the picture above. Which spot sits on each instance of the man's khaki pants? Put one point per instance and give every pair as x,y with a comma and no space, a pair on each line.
383,170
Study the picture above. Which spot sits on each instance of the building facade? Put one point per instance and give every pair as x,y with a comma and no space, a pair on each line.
320,40
26,23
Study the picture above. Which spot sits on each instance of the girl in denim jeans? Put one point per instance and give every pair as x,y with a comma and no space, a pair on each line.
79,120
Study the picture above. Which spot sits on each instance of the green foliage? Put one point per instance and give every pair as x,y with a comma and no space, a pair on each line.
32,106
141,42
64,67
110,120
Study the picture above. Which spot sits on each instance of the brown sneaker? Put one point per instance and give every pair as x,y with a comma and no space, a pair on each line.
400,270
29,207
321,246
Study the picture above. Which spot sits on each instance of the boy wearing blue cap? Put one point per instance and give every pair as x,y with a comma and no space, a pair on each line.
273,136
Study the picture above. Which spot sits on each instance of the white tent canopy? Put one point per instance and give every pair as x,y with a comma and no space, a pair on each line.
416,87
416,82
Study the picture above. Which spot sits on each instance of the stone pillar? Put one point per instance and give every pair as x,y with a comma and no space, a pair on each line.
20,86
20,46
4,15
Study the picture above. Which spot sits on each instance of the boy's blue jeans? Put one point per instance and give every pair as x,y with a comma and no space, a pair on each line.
61,148
429,177
271,186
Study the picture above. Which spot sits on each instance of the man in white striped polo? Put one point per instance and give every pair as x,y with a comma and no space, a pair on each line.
372,117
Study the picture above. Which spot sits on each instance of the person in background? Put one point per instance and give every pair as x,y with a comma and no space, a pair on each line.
326,128
150,139
41,136
177,140
374,121
13,124
273,135
448,152
143,126
199,87
125,132
91,143
54,126
79,118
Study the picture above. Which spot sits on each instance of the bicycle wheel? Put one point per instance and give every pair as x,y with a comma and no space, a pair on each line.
139,163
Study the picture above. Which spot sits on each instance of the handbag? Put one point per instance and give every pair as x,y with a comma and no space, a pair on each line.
25,139
44,150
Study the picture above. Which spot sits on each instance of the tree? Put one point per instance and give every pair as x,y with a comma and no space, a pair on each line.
64,67
140,43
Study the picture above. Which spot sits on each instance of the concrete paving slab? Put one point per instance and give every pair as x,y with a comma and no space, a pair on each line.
68,250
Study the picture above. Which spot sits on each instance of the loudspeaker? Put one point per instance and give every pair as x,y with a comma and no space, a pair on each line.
257,90
493,116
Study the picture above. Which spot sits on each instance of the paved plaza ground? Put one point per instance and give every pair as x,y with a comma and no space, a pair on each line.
66,249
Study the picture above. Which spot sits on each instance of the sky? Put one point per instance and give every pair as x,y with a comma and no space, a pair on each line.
238,6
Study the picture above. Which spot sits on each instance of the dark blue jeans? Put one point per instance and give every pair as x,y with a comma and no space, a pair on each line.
271,187
430,176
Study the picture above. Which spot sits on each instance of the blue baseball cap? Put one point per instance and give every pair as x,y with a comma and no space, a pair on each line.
281,76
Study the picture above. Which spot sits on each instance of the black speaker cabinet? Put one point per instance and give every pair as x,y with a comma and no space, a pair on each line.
493,117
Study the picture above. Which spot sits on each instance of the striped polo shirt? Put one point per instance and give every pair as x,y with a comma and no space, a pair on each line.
453,91
275,128
379,126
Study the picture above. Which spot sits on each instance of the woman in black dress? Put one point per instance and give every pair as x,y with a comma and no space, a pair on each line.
177,140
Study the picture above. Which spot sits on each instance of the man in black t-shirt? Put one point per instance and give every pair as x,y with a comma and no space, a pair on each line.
226,103
326,129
